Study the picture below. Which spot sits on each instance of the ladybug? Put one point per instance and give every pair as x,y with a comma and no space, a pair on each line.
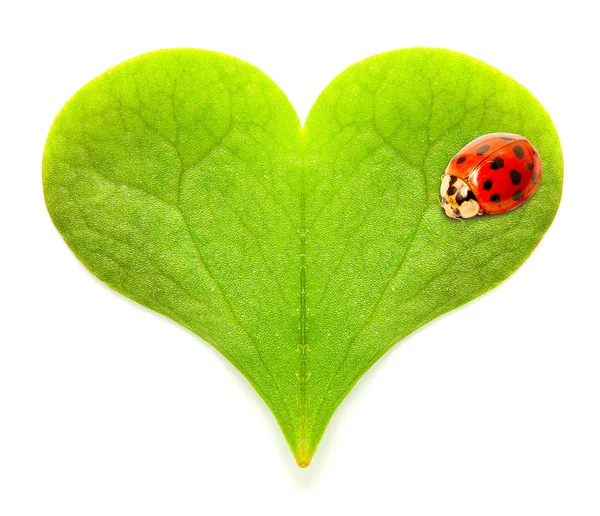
493,174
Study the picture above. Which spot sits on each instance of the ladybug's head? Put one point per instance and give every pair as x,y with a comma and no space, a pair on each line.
457,198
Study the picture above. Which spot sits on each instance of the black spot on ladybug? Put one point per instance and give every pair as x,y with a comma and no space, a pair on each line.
483,149
495,198
487,185
515,176
451,190
529,165
497,163
517,196
460,198
535,178
519,152
452,180
461,159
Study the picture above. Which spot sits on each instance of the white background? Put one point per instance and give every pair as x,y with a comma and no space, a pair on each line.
107,408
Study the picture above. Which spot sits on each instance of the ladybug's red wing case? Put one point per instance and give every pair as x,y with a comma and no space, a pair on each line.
471,155
507,177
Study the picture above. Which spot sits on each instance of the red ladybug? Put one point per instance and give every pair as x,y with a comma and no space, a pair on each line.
493,174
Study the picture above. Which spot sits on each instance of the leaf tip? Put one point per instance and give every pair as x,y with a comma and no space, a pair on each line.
303,457
303,461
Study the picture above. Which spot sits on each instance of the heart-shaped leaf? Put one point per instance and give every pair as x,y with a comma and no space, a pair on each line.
182,179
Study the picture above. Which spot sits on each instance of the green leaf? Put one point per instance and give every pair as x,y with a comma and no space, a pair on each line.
182,179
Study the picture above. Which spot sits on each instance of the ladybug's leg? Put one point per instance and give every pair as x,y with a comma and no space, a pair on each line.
437,198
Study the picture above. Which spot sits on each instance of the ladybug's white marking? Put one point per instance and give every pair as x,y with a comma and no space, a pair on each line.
453,188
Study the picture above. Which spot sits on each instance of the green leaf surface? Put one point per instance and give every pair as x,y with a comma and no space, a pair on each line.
183,179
